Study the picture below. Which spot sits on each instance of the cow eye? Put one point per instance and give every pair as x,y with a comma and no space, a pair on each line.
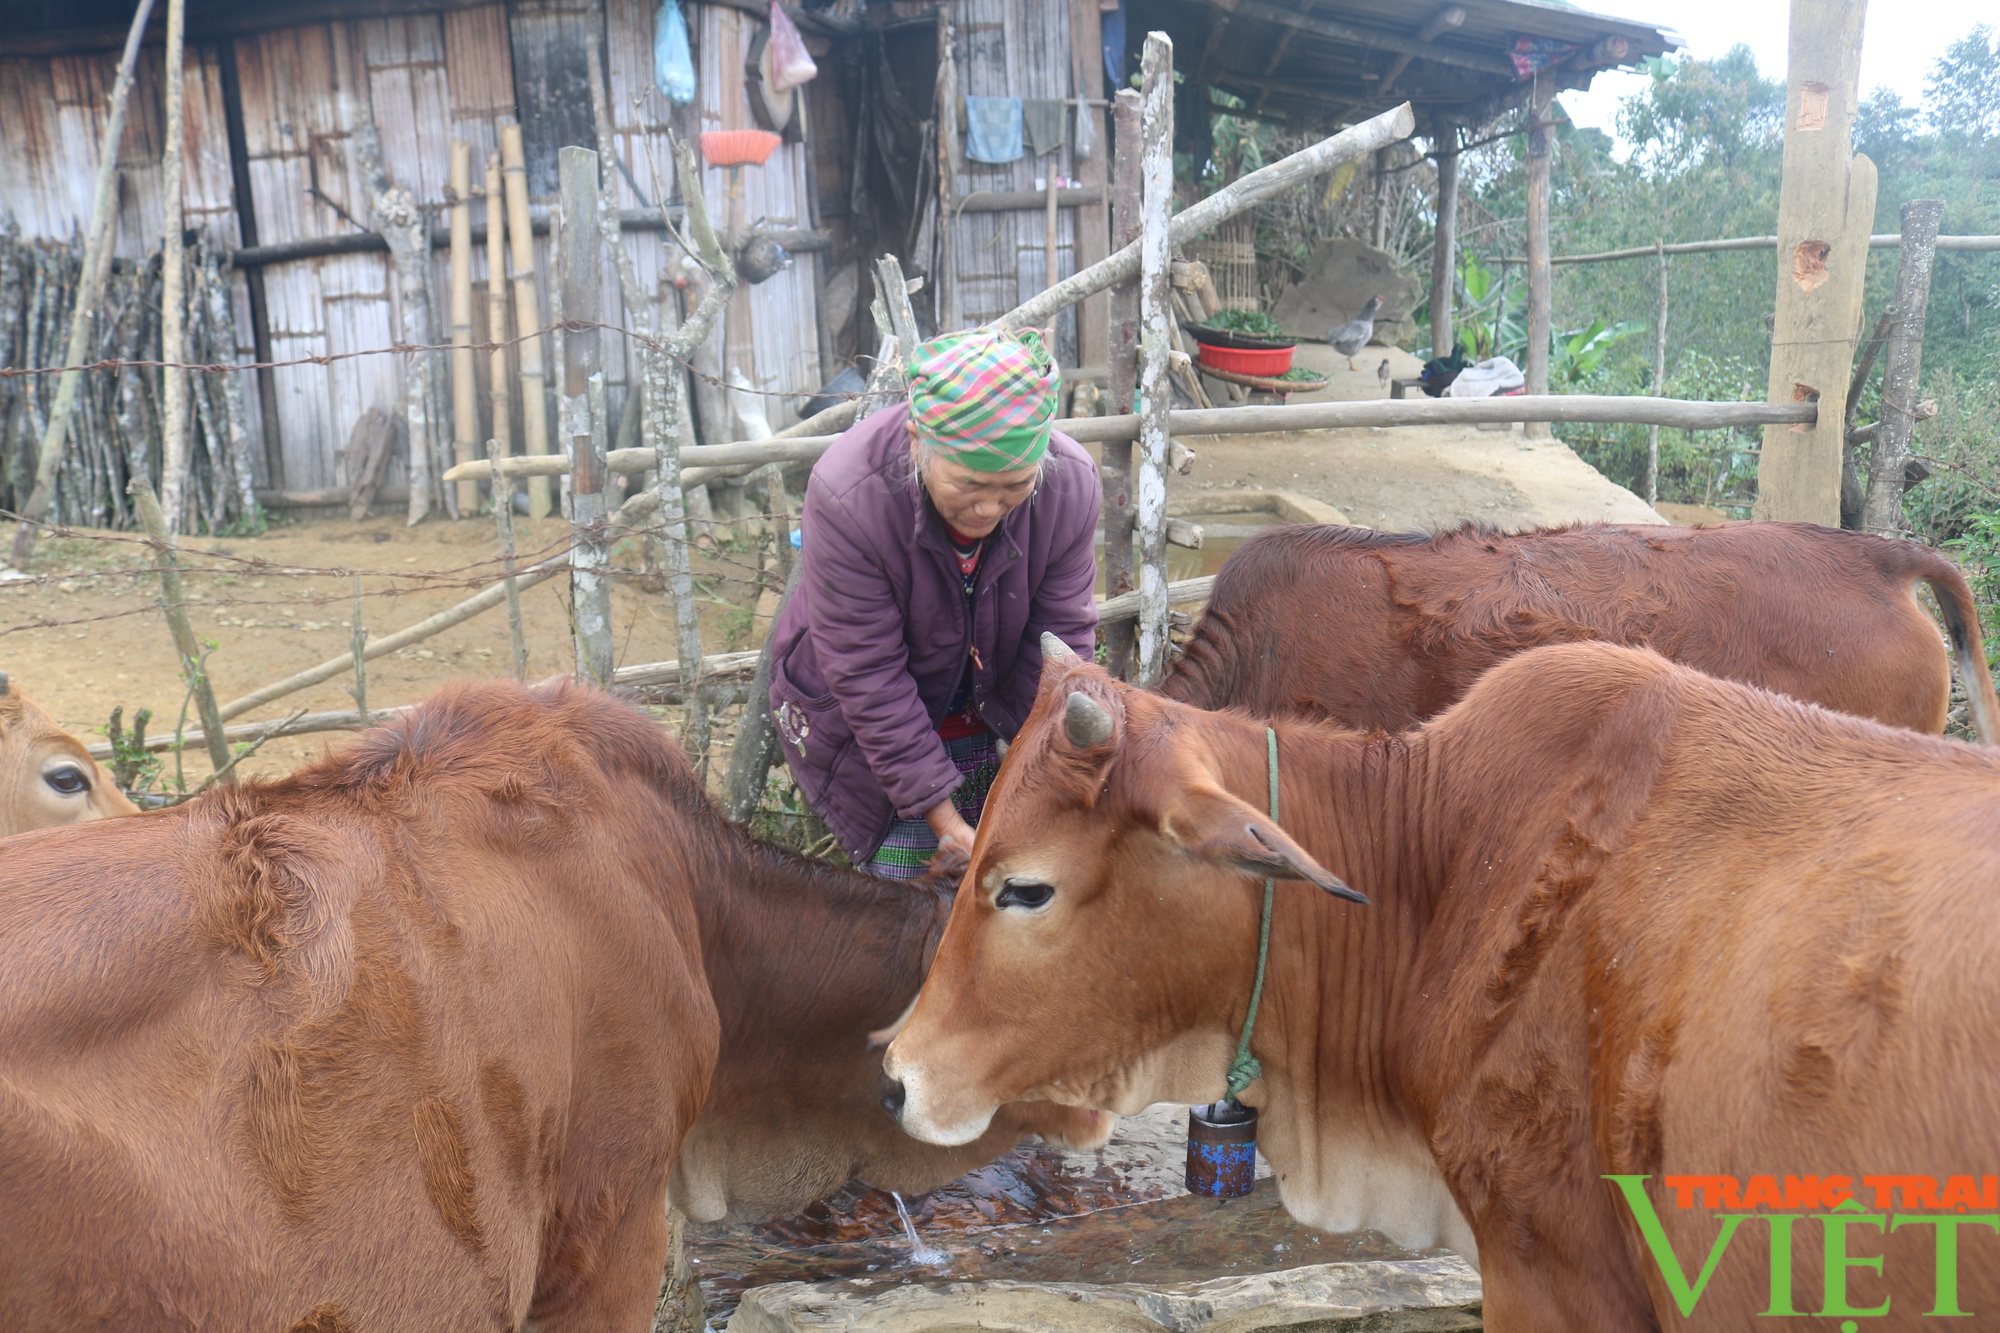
1028,895
67,780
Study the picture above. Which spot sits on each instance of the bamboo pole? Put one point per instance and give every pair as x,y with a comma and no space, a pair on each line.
1883,514
1049,227
90,293
1120,516
947,172
1659,382
503,519
485,600
1885,241
464,378
581,274
1680,413
1156,395
173,295
1204,216
496,315
527,311
172,601
1197,220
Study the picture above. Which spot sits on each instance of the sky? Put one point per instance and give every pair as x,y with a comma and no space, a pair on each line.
1901,39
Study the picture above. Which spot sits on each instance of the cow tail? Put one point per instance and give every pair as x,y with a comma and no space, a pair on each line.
1961,622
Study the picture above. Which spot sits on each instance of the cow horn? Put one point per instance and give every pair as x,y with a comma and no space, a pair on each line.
3,682
1085,721
1055,649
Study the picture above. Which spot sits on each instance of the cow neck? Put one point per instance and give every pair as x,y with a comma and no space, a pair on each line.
1331,1099
781,936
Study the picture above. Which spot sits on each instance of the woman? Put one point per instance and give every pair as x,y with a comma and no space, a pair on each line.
940,539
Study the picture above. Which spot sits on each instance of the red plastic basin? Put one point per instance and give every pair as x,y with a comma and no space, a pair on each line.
1269,362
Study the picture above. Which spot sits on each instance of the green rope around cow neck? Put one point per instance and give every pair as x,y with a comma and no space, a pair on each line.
1245,1068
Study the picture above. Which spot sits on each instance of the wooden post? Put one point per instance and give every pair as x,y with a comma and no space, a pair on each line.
1826,208
357,646
527,313
1156,329
174,603
1379,227
1659,381
503,519
1540,272
1884,513
1120,517
173,296
496,312
1444,249
947,172
581,273
1091,225
89,295
394,213
464,380
1049,222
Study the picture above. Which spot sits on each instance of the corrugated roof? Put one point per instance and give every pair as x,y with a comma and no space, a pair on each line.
1343,60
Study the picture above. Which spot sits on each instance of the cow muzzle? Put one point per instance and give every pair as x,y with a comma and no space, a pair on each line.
912,1097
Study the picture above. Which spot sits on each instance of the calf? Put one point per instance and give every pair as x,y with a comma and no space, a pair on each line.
420,1037
1373,629
1627,920
46,776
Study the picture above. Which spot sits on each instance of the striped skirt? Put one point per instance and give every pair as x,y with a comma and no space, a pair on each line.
909,844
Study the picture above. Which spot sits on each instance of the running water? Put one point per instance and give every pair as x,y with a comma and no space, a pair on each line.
920,1254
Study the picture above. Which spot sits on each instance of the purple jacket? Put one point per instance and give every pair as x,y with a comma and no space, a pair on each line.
867,654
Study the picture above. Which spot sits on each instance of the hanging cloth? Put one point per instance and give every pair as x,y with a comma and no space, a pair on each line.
1042,123
993,129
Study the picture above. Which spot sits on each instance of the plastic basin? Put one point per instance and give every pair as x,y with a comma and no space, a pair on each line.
1270,362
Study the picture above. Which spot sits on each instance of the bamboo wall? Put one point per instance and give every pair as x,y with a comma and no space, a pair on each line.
423,79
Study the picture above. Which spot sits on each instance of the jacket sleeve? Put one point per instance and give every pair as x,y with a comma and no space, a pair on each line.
1065,602
857,629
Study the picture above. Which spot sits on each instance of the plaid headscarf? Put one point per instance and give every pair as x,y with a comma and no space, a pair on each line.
985,397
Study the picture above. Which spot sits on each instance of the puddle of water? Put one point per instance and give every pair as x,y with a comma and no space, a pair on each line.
1035,1215
1221,535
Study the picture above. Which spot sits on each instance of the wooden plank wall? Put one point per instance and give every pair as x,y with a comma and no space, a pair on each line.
771,333
1015,48
424,79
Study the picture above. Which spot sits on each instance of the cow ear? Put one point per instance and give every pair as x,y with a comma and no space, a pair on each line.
1213,825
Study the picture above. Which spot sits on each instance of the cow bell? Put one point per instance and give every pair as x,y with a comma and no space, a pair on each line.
1222,1150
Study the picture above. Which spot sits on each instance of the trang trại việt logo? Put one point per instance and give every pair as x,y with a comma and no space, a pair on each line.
1924,1201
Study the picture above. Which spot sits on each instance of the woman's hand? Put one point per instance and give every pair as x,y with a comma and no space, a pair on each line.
949,826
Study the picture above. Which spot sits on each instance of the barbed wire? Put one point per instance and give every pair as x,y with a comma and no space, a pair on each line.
473,575
412,349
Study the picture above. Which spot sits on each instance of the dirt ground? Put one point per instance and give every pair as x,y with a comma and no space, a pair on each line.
86,636
89,637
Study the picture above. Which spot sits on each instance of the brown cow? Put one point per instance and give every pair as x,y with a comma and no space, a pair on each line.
1627,920
1373,629
413,1038
46,776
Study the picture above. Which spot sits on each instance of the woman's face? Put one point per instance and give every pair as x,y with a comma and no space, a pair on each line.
971,501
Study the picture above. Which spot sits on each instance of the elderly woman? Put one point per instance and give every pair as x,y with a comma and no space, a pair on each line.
941,538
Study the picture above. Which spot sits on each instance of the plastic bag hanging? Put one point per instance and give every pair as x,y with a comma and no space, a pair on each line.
791,63
673,63
1083,144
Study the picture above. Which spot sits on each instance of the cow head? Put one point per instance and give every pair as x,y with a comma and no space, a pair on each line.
46,776
1102,947
795,1106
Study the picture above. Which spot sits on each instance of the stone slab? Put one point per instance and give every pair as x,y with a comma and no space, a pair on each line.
1387,1296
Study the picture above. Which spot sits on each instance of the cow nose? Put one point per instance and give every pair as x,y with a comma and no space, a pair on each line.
892,1096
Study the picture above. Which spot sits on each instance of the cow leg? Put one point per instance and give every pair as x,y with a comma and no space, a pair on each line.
621,1296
